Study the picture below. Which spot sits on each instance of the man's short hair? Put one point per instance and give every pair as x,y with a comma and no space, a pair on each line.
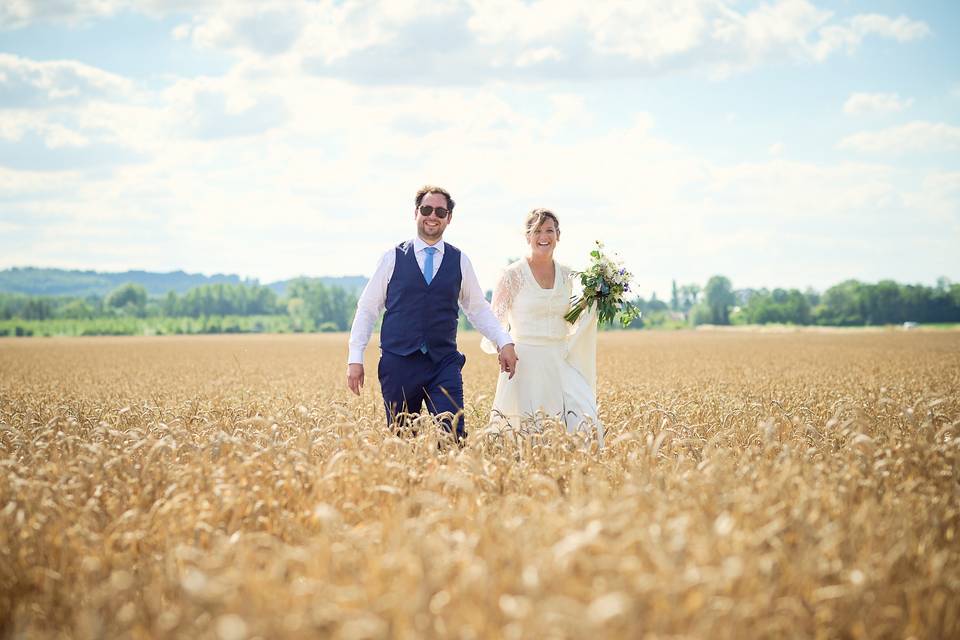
430,188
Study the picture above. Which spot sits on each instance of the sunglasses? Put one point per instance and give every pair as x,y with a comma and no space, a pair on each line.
425,210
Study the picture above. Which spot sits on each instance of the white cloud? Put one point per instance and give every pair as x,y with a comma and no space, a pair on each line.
864,103
798,30
16,14
947,182
538,56
414,41
27,184
265,29
65,115
648,32
902,28
418,40
36,141
59,136
61,115
779,30
422,42
26,83
915,136
800,191
223,107
506,21
850,35
20,13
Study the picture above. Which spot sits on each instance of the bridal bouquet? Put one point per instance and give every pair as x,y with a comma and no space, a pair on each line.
604,283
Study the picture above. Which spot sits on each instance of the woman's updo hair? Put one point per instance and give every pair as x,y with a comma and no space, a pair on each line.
537,217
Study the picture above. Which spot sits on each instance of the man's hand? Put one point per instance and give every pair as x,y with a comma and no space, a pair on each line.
508,360
355,377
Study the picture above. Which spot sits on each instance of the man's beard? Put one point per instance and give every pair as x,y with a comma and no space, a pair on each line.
427,232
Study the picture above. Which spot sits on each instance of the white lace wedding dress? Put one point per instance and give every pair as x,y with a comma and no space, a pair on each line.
557,370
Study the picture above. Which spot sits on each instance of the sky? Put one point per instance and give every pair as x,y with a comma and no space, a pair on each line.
785,143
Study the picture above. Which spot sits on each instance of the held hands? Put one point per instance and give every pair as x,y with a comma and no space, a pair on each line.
507,357
508,360
355,377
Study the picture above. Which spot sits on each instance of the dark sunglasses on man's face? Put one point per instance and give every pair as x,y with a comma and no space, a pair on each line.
425,210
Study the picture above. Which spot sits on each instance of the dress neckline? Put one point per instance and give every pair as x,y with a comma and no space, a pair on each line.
556,272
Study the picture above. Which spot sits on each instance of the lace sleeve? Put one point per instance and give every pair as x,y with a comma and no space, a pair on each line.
508,286
511,280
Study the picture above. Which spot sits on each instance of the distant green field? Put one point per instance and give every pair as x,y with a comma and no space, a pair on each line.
150,326
130,326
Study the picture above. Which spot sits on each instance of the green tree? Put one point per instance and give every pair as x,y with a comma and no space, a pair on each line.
719,298
170,304
324,304
841,305
882,303
227,299
654,305
780,305
129,297
37,308
689,296
76,309
297,311
700,314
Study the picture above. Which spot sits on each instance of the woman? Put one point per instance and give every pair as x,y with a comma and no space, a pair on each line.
556,371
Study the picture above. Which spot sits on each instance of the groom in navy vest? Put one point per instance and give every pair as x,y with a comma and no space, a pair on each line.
421,284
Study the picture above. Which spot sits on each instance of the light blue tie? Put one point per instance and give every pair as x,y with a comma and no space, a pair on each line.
428,276
428,264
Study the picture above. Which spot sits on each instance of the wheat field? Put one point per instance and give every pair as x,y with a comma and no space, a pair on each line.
753,485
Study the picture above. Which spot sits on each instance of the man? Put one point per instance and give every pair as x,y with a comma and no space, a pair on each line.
421,283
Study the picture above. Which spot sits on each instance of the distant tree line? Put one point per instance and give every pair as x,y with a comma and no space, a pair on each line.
310,304
849,303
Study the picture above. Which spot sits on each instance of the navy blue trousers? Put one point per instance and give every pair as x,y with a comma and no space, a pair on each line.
408,381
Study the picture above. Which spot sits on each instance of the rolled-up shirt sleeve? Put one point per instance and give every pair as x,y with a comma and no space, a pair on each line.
369,307
476,307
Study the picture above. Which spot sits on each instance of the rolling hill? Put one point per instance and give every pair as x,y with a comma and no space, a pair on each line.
63,282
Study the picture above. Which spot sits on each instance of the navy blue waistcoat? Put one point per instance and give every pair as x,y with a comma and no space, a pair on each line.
418,313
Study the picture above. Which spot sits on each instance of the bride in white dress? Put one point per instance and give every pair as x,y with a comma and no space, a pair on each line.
556,374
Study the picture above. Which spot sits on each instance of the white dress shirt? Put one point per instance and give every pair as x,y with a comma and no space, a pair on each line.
373,299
